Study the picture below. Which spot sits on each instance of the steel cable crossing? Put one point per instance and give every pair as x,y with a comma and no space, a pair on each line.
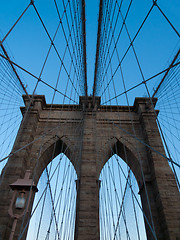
115,191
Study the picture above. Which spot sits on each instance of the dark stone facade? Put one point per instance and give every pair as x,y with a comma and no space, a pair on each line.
89,134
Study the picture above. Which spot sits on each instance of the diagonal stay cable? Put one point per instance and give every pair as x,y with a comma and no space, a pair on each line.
52,201
129,183
7,56
51,40
164,77
43,204
16,22
127,50
139,84
121,207
175,30
43,193
40,80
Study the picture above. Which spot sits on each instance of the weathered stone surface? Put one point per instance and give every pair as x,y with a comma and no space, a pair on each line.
89,134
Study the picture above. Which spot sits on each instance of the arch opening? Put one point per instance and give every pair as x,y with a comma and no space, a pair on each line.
54,208
120,209
129,154
50,150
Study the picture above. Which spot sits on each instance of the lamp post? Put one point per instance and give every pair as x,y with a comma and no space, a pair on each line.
23,189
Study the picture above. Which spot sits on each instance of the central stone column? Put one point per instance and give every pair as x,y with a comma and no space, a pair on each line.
87,211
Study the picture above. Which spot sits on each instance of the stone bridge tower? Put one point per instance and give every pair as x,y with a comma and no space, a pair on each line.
89,133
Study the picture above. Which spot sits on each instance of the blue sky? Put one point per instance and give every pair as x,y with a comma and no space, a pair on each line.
28,43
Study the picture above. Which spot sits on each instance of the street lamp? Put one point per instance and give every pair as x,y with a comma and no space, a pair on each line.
23,189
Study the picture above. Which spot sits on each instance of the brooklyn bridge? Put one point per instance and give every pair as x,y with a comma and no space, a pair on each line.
90,120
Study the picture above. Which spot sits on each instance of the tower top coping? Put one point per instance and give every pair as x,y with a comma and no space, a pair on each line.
90,103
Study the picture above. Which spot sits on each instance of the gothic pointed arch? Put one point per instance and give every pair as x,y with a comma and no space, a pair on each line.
47,150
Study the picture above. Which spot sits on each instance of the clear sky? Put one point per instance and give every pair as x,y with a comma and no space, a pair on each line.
28,43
